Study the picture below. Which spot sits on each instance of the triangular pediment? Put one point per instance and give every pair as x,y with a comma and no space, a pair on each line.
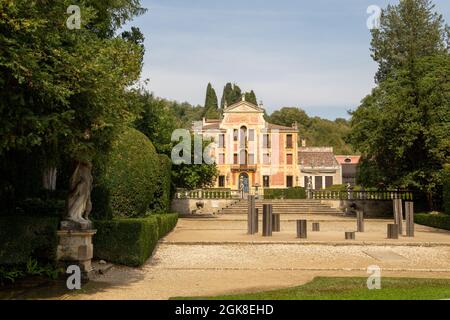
243,107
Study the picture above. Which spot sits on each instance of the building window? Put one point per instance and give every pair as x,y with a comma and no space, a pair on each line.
222,141
318,182
235,158
266,181
222,182
289,158
289,143
289,181
251,135
251,159
244,160
235,134
221,158
266,141
328,182
266,158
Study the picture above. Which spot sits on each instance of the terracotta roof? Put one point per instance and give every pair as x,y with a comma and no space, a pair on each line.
348,159
317,159
214,125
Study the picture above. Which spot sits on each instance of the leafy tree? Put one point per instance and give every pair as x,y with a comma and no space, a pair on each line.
157,121
408,31
231,94
194,176
211,102
251,97
402,128
63,93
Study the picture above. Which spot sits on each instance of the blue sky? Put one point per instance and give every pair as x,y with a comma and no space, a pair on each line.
309,54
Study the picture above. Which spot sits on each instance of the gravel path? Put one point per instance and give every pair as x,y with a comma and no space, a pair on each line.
196,269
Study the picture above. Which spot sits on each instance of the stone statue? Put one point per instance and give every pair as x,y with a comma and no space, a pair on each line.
79,204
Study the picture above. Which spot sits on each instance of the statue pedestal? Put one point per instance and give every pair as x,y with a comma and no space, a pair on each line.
75,246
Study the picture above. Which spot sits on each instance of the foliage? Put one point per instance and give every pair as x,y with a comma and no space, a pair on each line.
440,221
11,273
231,94
409,30
163,193
131,241
157,121
24,237
446,189
194,176
317,132
402,126
290,193
211,102
130,177
251,97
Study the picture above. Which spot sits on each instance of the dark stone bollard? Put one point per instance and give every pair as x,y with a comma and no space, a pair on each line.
350,235
398,215
256,217
302,231
267,220
251,229
392,231
360,221
316,227
409,208
276,223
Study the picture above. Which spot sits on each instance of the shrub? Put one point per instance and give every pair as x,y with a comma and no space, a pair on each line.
25,237
290,193
162,196
446,189
128,185
131,241
440,221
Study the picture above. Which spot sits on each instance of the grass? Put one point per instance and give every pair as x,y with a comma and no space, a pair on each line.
351,289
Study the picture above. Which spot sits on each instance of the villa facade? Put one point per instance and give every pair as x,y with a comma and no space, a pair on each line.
250,152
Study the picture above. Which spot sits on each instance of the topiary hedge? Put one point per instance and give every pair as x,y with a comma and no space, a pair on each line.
162,196
131,241
290,193
440,221
25,237
127,186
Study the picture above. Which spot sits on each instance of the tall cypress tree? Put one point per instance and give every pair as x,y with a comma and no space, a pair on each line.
211,102
226,95
251,97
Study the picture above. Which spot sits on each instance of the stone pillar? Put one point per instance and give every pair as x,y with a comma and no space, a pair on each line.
75,247
409,209
392,231
251,227
267,220
350,235
398,214
302,231
360,220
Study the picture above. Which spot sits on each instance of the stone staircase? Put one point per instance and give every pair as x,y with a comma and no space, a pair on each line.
284,207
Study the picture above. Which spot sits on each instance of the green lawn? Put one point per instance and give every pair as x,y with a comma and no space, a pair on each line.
351,289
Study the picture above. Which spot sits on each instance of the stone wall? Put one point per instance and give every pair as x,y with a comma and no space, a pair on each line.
211,206
371,208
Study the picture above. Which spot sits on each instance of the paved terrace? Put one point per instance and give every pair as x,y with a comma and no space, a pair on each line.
215,256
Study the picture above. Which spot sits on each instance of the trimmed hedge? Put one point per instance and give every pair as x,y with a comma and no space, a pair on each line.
131,241
440,221
446,189
290,193
26,237
128,185
162,196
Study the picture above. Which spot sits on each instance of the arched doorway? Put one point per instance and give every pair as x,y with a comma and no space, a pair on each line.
244,182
